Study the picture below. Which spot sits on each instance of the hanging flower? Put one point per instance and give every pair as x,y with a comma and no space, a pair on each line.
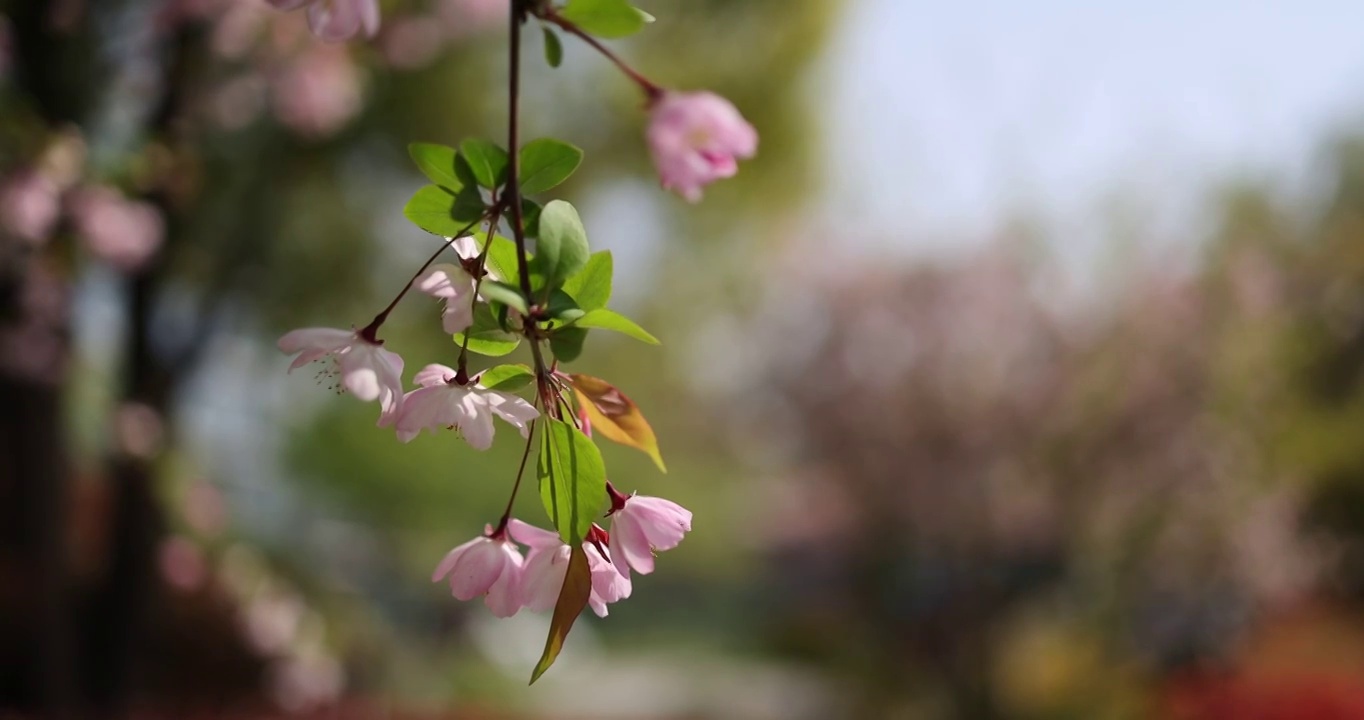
547,565
641,526
697,138
488,566
442,402
367,370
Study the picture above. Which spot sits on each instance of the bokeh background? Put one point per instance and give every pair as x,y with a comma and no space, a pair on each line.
1021,375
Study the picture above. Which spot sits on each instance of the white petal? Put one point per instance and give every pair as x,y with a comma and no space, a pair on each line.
433,375
533,537
448,562
477,423
513,409
476,570
324,339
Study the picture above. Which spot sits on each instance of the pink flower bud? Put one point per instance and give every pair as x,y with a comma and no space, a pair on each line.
695,139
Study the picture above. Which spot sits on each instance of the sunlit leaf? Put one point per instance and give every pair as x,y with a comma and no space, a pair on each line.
591,286
612,320
441,212
572,479
606,18
615,416
503,293
547,162
573,598
436,162
563,308
506,378
501,259
487,161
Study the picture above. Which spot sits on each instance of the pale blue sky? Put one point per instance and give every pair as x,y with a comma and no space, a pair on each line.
946,116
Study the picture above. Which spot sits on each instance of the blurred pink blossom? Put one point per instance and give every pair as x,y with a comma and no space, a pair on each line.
319,92
30,203
124,233
411,42
696,139
469,17
237,28
182,564
337,20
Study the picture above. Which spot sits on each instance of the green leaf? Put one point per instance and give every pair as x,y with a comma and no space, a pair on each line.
591,286
547,162
563,308
615,416
572,479
487,161
612,320
506,378
441,212
485,336
502,259
554,50
567,343
606,18
530,217
562,247
437,162
503,293
573,597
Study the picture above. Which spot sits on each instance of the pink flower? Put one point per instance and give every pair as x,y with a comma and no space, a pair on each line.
442,402
547,565
695,139
319,92
337,20
454,285
124,233
367,370
642,525
29,205
484,566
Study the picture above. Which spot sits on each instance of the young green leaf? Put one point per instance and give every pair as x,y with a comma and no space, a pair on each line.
503,293
572,479
606,18
441,212
487,161
437,162
567,343
591,286
506,378
615,416
554,50
612,320
562,247
501,258
485,335
573,598
547,162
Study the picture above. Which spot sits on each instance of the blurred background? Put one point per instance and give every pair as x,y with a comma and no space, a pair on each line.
1021,375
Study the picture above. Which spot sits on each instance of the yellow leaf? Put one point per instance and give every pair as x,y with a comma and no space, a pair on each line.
616,416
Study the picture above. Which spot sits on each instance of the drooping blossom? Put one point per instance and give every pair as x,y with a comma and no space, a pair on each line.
318,92
122,232
30,203
642,525
488,566
367,370
547,565
442,402
337,20
453,284
697,138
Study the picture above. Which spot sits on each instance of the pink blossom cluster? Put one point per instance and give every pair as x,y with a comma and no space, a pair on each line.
491,565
